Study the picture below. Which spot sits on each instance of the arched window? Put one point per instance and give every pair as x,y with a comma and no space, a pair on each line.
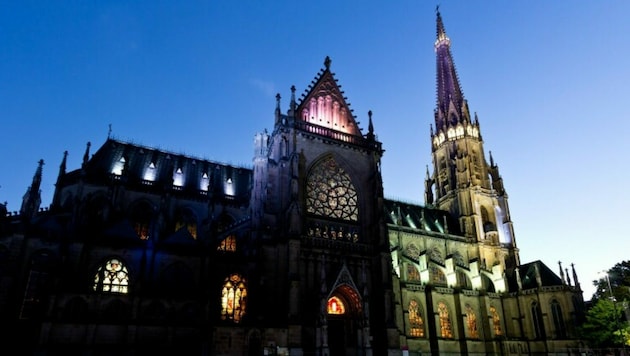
446,331
228,244
412,273
112,277
471,322
437,276
141,215
233,298
537,321
186,219
330,193
496,321
558,320
416,324
335,306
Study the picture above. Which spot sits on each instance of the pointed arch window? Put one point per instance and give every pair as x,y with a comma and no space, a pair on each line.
496,321
416,324
141,216
228,244
537,321
187,219
558,320
412,273
437,276
446,330
234,298
471,322
336,306
330,193
112,277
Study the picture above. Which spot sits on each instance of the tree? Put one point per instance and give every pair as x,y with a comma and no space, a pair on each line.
605,325
619,278
606,322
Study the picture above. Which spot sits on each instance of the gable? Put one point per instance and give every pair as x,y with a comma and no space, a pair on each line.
323,104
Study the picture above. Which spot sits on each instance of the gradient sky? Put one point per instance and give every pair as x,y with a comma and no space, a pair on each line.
548,80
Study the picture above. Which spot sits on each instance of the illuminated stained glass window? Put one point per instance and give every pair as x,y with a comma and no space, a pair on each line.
437,276
336,306
412,273
228,244
415,320
446,330
141,215
330,193
234,298
187,219
471,322
496,321
112,277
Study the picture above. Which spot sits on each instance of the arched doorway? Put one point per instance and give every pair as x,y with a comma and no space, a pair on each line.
344,319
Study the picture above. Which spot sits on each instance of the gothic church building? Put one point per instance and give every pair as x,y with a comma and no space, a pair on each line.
144,250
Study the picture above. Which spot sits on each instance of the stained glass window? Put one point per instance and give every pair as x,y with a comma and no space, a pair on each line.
228,244
496,321
412,273
471,322
446,330
437,276
112,277
187,219
233,298
415,320
330,192
336,306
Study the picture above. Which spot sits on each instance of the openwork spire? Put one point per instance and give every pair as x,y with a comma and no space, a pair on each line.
451,106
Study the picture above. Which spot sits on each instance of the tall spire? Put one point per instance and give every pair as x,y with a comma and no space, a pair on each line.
451,105
62,173
32,198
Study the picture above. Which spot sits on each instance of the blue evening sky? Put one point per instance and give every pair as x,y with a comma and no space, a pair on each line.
548,79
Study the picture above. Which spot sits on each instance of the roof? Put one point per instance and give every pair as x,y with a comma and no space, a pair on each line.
419,217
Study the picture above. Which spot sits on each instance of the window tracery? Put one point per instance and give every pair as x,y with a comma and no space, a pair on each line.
112,277
234,298
330,192
496,321
446,330
415,320
186,219
412,273
228,244
558,320
471,322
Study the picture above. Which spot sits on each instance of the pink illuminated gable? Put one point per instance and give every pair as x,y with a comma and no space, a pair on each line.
324,105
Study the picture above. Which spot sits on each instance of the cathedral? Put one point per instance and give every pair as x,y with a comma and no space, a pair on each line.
143,250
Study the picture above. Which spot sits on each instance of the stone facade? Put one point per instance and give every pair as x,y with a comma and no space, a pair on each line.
145,251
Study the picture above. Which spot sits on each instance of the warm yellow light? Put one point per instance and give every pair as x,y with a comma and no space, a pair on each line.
335,306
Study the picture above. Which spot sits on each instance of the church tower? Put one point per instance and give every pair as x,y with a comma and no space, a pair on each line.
463,182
